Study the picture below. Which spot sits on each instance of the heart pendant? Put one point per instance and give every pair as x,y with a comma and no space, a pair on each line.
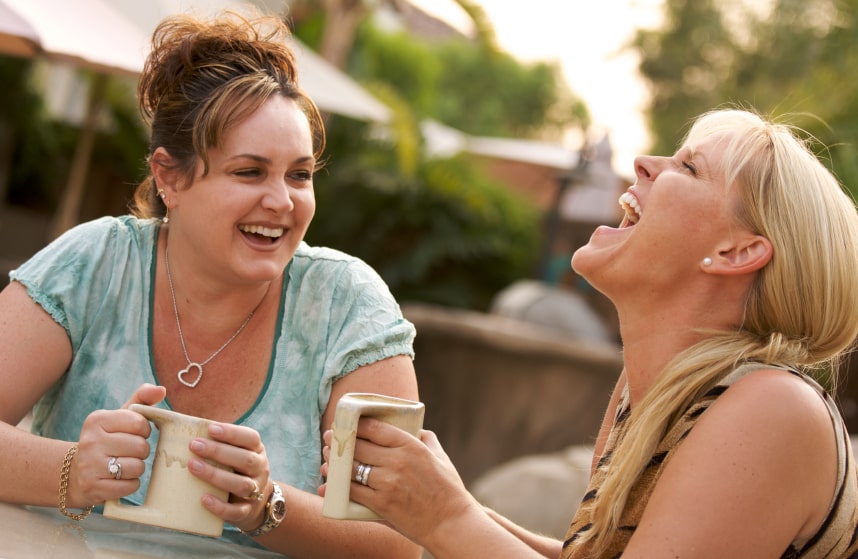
190,383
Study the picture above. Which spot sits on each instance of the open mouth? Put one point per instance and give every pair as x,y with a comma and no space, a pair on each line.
260,233
632,208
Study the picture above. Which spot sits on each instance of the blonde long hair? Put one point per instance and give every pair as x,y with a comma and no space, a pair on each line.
801,312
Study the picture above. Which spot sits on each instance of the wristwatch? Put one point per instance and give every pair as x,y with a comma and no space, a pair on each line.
275,511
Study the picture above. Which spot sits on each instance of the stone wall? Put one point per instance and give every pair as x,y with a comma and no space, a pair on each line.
497,388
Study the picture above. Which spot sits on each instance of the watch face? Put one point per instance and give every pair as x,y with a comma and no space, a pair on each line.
278,509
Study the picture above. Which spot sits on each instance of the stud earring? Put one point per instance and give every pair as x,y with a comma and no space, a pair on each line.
707,261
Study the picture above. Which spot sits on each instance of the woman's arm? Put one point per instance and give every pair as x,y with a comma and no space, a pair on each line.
544,545
416,488
34,353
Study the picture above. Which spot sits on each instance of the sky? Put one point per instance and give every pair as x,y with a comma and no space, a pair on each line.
586,38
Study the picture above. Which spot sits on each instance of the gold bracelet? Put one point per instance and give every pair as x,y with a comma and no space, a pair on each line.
64,487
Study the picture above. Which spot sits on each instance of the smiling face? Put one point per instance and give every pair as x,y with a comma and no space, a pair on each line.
248,214
677,213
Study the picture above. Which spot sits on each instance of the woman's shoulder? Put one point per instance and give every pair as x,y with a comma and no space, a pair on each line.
779,422
321,254
333,265
102,230
92,242
782,395
766,448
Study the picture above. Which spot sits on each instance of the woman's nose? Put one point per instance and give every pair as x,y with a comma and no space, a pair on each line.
278,198
646,167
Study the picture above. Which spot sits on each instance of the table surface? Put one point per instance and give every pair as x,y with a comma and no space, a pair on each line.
40,532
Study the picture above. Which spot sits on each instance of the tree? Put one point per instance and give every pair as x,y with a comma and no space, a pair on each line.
340,19
461,83
685,63
791,62
442,234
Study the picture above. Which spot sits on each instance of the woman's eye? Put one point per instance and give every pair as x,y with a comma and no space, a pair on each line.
303,175
248,172
690,167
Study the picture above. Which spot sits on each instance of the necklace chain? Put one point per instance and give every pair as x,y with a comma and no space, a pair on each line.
193,364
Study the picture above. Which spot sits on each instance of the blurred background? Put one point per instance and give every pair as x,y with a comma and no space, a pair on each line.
473,145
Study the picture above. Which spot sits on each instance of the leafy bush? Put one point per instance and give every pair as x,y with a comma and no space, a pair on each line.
446,235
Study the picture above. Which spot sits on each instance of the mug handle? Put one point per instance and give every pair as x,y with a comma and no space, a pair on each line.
350,409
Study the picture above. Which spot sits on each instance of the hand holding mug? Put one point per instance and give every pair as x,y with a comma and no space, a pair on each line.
118,435
233,459
174,496
413,484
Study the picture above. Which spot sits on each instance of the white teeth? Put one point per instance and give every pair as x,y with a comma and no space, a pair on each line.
260,230
631,206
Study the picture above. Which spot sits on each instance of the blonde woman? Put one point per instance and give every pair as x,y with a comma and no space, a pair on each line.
734,277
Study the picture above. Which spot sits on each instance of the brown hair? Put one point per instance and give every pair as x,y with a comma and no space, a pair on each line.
204,76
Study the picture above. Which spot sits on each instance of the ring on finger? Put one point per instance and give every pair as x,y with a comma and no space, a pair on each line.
362,475
114,468
255,495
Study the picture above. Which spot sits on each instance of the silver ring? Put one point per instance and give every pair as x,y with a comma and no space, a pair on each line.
114,468
362,475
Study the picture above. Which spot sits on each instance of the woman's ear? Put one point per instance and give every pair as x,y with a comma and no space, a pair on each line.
745,254
166,174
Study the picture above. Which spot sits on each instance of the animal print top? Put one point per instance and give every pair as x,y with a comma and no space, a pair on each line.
836,538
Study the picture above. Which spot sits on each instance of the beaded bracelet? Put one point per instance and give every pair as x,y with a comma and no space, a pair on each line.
64,487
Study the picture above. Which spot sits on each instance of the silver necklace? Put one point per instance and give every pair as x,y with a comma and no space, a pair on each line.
193,364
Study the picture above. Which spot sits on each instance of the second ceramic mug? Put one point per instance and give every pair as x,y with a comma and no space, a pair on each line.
405,414
173,499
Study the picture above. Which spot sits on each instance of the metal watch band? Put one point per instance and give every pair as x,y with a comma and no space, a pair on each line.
275,510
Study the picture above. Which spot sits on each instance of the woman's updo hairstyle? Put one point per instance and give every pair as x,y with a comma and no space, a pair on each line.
204,76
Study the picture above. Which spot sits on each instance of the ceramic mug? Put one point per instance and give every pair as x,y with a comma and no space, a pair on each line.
173,499
405,414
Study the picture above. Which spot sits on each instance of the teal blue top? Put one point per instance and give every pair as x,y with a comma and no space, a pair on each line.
97,281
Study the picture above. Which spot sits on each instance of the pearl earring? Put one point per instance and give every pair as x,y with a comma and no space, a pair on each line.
707,261
166,218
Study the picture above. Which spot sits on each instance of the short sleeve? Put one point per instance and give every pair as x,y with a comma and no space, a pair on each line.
94,281
70,277
371,328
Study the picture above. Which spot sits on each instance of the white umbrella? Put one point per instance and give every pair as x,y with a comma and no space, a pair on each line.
17,37
89,34
334,91
113,38
330,88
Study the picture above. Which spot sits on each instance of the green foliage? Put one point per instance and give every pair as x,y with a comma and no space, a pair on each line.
685,63
476,89
40,148
124,149
408,66
445,235
31,138
795,61
437,231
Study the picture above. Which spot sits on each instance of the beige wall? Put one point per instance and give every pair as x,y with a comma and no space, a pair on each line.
496,388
